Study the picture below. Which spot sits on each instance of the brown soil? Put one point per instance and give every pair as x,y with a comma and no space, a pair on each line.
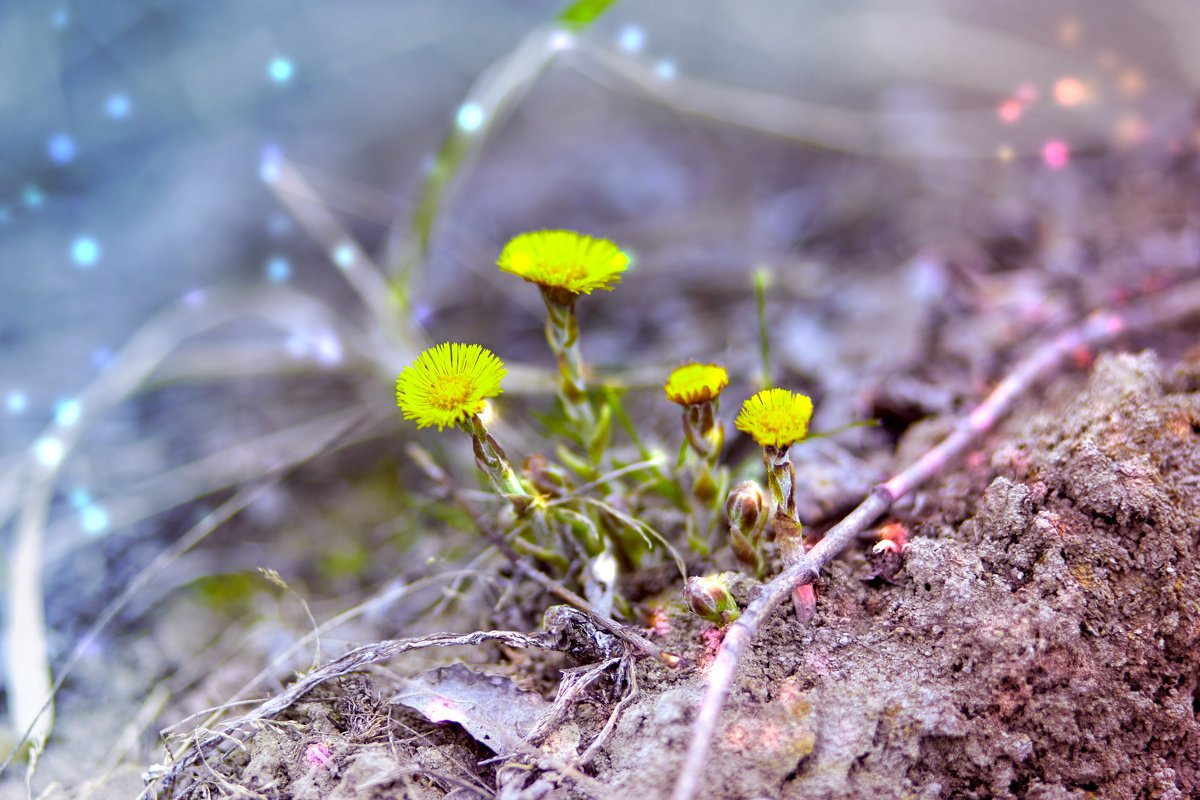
1042,648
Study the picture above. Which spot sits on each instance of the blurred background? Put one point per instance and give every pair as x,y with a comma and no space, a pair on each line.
225,226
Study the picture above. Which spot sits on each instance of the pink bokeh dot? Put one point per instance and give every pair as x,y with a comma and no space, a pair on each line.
1056,154
1010,111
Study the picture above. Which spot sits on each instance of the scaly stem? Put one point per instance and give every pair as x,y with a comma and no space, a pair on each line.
781,477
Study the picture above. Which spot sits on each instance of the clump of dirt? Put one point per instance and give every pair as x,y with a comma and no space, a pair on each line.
1041,646
1044,648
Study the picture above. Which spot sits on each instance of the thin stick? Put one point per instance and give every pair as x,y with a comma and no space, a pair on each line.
1099,329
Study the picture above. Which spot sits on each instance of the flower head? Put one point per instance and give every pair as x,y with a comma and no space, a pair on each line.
696,383
775,417
448,383
564,261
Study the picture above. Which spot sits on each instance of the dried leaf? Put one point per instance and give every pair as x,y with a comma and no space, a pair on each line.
492,709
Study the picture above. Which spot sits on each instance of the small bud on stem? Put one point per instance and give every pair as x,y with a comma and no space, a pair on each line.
710,599
744,508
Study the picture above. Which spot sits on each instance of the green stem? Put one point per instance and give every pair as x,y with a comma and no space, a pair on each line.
562,334
761,278
492,460
706,435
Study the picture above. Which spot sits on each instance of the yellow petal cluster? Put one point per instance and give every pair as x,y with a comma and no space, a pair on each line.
448,383
696,383
775,417
564,261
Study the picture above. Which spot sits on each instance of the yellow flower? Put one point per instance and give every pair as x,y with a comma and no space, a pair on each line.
448,383
775,417
696,383
564,261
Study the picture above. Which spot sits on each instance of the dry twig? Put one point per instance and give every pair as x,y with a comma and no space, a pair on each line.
1100,329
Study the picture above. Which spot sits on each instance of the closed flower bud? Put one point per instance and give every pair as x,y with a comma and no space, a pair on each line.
744,506
709,598
705,488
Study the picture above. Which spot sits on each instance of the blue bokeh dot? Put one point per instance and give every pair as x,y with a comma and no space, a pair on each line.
68,412
61,148
280,70
632,39
93,519
16,402
85,251
470,117
278,269
343,255
118,106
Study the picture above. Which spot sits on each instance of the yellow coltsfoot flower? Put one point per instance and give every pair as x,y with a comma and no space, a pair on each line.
775,417
696,383
564,262
448,384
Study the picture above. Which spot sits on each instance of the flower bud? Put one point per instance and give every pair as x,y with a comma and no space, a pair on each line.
709,598
705,488
744,507
545,477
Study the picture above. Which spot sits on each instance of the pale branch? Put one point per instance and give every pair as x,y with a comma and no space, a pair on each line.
1101,328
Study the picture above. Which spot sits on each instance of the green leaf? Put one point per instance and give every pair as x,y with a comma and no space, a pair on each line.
582,13
585,530
574,463
600,436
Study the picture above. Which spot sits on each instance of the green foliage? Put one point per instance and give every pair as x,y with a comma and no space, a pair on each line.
230,593
582,504
582,13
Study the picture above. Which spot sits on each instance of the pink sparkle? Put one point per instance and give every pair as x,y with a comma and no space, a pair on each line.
1026,93
318,754
1010,111
1056,154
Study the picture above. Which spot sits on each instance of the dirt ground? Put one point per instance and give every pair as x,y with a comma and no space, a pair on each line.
1038,642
